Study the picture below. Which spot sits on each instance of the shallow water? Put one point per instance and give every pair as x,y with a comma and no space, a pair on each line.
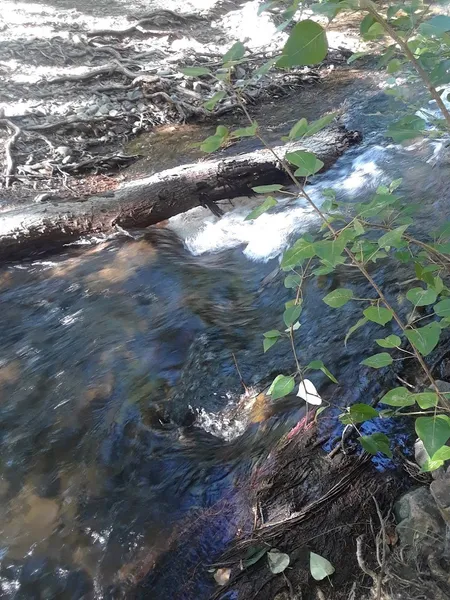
110,353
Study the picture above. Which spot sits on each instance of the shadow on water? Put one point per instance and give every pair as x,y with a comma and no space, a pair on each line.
110,354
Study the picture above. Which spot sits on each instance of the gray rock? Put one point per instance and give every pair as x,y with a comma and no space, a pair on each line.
197,86
104,109
443,386
91,110
135,95
240,73
63,151
440,490
113,113
419,520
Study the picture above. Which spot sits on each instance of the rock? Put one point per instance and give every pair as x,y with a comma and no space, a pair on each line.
443,386
419,520
63,151
164,73
135,95
104,109
113,113
240,73
440,490
197,86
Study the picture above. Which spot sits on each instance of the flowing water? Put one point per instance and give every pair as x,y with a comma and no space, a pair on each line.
109,354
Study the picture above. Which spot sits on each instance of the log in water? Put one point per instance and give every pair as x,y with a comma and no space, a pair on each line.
147,201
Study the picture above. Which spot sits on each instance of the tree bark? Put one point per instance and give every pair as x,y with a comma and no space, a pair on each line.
40,227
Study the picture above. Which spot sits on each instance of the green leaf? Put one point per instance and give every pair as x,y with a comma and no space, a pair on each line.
375,31
300,251
306,45
420,297
354,327
377,361
299,129
406,129
358,413
431,465
425,339
433,431
263,189
319,124
398,397
281,386
442,454
355,56
378,314
269,342
236,52
358,227
366,24
330,252
377,442
253,555
426,399
268,203
292,314
277,561
306,161
392,238
265,68
338,297
273,333
395,184
211,103
293,280
436,25
442,308
394,65
195,71
375,206
212,143
319,566
249,131
391,341
318,365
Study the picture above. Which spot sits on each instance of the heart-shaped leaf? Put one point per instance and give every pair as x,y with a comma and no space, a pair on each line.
338,297
319,566
377,361
278,561
377,442
425,339
306,45
307,392
433,431
378,314
420,297
281,386
398,397
391,341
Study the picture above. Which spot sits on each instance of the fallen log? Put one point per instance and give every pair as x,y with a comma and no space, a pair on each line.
40,227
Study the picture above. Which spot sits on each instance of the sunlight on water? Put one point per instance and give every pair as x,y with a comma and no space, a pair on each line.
267,237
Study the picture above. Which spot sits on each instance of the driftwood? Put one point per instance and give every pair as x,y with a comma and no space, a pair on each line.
45,226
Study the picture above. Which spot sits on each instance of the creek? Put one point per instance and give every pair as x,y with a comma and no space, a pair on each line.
125,435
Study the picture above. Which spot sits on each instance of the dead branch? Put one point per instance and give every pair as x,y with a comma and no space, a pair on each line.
9,145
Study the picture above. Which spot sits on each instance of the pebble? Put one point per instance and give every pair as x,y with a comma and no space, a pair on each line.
135,95
113,113
197,86
104,109
163,73
63,151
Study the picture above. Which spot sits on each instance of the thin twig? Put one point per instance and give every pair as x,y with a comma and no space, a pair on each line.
247,392
383,549
361,562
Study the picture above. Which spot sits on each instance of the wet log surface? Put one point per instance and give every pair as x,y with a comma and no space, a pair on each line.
46,226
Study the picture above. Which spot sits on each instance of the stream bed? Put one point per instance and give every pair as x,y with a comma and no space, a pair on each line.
121,370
